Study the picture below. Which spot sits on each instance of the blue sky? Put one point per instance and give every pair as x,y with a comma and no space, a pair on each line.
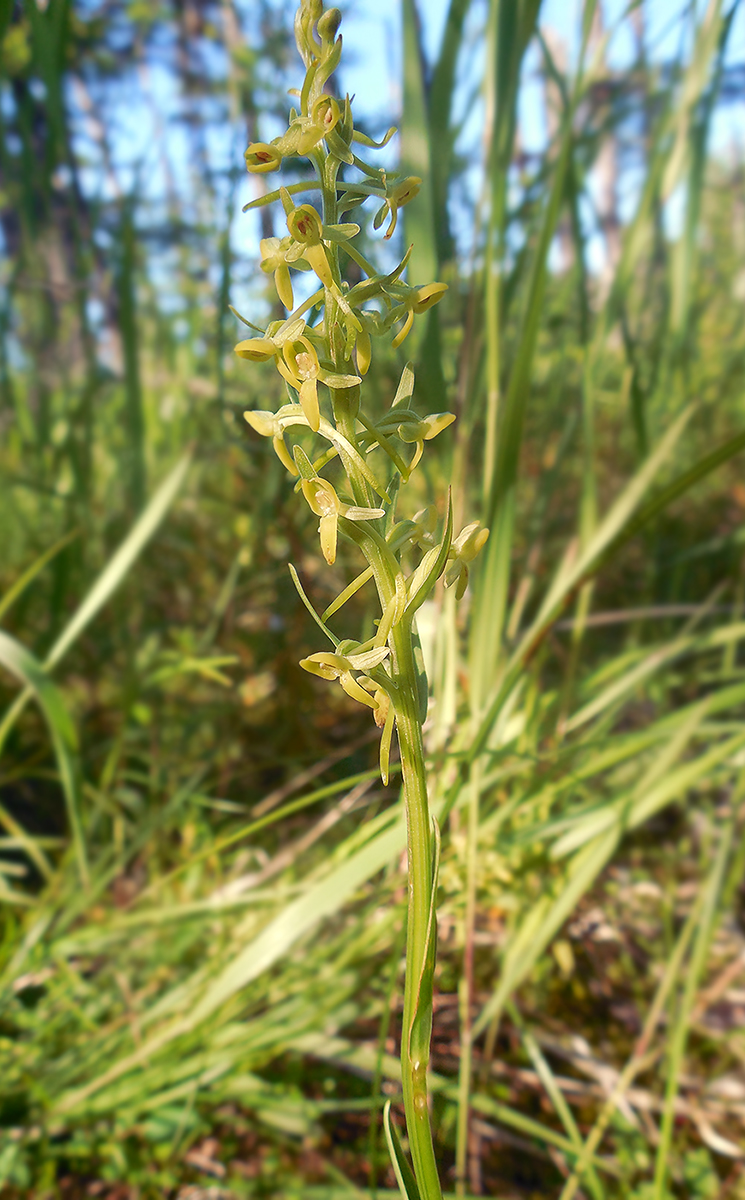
372,37
371,68
372,41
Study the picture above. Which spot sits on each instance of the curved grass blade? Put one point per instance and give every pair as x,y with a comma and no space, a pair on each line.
108,581
29,575
22,664
401,1168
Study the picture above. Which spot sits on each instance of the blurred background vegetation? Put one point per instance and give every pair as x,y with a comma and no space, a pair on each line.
201,878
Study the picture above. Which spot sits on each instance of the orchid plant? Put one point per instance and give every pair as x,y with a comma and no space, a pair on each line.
323,350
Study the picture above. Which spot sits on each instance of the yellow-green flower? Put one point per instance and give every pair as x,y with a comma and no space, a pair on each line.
262,157
301,369
464,549
299,365
306,227
305,132
340,666
397,195
324,502
276,256
323,119
419,432
417,301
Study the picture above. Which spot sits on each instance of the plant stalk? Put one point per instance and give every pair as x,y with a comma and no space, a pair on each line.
421,927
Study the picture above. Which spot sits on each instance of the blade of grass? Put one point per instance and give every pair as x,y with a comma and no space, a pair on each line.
640,1056
134,412
29,575
681,1028
22,664
555,1095
419,215
490,600
107,582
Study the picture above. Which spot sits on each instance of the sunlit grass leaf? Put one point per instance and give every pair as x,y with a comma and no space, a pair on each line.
109,579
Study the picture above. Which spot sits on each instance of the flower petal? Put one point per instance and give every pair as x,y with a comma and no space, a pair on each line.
368,659
309,403
284,456
403,331
328,531
326,666
256,349
265,423
428,296
283,284
353,689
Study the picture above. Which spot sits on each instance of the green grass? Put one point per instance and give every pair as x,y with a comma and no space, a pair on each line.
201,877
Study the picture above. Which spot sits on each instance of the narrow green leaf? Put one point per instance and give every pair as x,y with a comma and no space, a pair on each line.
401,1167
22,664
29,575
301,593
109,579
419,1034
415,150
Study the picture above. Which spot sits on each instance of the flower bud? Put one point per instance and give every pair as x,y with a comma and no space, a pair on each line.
428,296
470,541
265,423
256,349
364,351
328,24
435,423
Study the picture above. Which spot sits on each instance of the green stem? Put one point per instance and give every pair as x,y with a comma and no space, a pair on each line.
466,985
417,1015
